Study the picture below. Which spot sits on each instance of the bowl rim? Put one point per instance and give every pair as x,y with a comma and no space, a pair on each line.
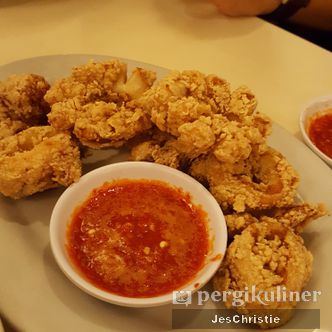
63,261
302,124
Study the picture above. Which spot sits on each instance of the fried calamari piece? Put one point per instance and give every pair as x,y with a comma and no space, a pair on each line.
100,124
158,147
101,81
243,103
98,104
271,258
22,98
201,112
183,103
37,159
295,216
262,181
237,222
236,140
150,151
183,97
89,82
9,126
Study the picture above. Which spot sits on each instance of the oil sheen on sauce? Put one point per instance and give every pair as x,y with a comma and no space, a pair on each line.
138,238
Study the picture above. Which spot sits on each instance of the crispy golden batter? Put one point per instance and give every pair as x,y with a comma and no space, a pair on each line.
98,103
106,81
295,216
159,148
150,151
100,124
266,255
182,98
37,159
21,98
237,222
9,126
203,114
262,181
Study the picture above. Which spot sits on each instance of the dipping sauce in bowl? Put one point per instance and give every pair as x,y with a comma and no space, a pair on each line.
320,131
138,234
138,238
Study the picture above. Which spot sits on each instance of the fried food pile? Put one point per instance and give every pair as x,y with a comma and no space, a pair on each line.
43,127
186,120
217,136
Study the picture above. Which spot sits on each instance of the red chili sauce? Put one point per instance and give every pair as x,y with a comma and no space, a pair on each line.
138,238
320,132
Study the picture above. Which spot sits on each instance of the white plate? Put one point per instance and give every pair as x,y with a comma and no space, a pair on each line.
36,297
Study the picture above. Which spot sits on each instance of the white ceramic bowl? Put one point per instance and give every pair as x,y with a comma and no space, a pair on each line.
78,192
318,105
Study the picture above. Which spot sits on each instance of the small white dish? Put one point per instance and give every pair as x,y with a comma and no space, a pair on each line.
317,105
78,192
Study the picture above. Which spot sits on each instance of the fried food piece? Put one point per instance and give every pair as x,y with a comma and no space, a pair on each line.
150,151
183,97
236,140
22,99
202,113
159,148
100,124
262,181
183,103
37,159
101,81
266,256
237,222
295,216
98,104
9,126
99,120
89,82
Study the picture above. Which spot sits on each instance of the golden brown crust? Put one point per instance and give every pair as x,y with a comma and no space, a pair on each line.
37,159
98,103
22,98
266,255
204,116
295,216
262,181
8,126
159,147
